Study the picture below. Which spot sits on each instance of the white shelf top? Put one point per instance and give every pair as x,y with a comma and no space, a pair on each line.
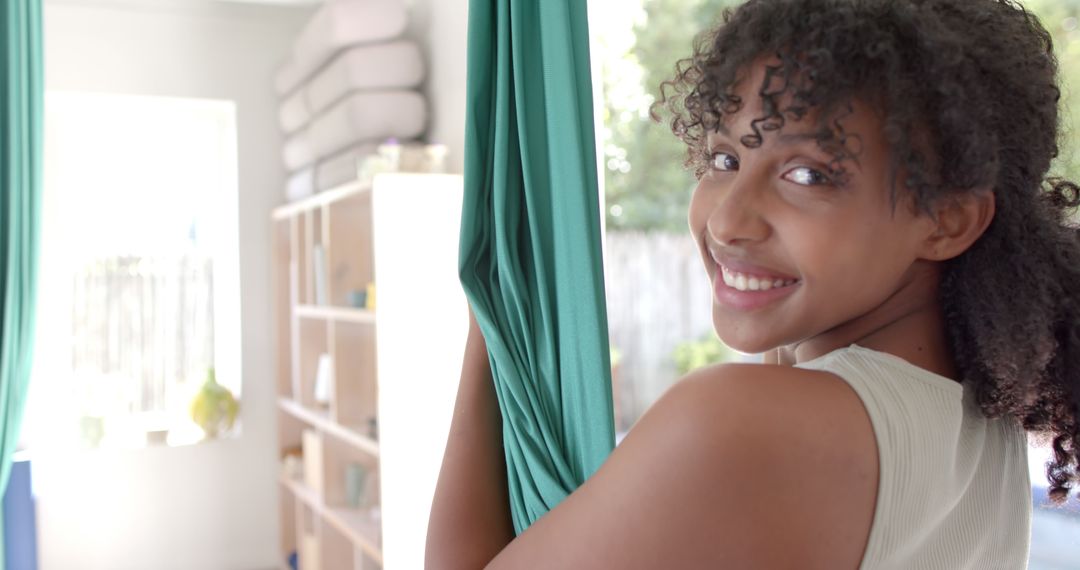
348,314
320,199
349,189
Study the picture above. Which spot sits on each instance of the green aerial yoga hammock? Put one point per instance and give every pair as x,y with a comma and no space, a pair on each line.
530,259
21,116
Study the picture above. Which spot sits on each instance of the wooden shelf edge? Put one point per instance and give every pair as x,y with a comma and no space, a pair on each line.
301,491
345,314
358,536
324,424
335,518
319,199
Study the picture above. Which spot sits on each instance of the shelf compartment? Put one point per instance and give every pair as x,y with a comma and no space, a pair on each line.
338,550
314,238
320,419
300,260
285,275
348,240
291,433
337,460
287,505
362,561
355,401
358,526
314,342
308,531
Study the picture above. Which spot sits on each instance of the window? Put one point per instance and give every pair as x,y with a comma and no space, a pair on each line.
1055,531
138,296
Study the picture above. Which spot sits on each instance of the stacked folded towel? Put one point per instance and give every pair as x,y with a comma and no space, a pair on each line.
349,83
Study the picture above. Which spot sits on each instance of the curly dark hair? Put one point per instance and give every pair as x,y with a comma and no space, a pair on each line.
968,89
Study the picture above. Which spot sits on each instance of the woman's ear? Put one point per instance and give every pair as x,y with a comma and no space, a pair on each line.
961,219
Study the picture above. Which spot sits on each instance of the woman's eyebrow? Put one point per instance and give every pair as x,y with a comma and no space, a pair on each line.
785,139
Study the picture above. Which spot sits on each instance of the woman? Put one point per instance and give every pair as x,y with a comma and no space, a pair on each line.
874,213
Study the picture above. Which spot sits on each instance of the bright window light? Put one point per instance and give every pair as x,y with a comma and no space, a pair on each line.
139,288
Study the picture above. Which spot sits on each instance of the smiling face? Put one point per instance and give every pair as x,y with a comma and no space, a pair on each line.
792,251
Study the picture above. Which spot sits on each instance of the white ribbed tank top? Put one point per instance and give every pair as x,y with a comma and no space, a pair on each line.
953,490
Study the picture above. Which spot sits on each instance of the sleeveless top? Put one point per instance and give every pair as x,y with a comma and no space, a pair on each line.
954,490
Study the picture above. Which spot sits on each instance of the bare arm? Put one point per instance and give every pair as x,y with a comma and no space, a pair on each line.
736,466
708,477
470,514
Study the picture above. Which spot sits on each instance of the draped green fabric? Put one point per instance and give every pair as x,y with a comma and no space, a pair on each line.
530,259
21,116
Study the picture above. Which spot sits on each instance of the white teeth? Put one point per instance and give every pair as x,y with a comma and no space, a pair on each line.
743,282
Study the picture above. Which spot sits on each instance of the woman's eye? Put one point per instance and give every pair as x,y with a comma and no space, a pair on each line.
806,176
723,161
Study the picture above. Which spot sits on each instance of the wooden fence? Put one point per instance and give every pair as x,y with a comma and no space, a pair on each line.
658,296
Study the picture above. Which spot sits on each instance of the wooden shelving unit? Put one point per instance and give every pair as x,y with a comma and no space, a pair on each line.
388,403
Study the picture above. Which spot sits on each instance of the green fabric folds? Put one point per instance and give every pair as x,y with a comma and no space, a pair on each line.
530,259
21,116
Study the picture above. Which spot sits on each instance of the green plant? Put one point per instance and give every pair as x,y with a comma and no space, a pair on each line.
691,355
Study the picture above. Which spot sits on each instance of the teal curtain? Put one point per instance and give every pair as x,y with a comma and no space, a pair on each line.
21,116
530,259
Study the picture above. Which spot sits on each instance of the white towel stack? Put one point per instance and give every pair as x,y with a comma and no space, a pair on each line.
349,83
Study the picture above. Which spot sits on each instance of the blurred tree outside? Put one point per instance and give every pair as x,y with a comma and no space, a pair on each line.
1060,18
647,187
695,354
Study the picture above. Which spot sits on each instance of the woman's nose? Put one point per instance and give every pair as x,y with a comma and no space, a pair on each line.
736,214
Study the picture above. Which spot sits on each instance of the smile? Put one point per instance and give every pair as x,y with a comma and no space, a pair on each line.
746,292
747,282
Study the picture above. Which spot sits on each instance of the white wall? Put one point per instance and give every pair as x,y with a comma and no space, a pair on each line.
440,27
420,305
211,506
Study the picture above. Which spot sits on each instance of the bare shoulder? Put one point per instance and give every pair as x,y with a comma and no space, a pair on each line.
736,466
810,440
